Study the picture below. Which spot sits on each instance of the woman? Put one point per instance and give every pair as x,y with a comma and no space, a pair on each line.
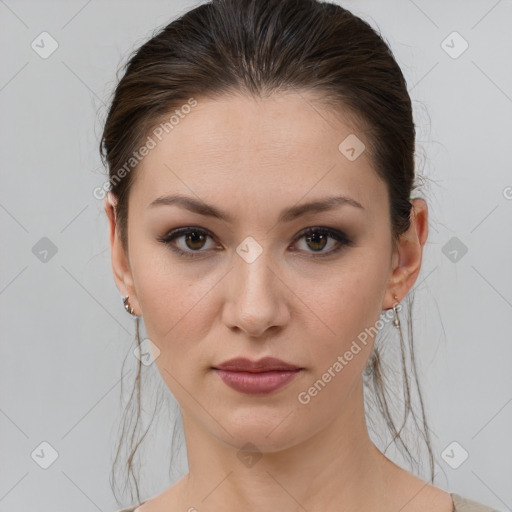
261,162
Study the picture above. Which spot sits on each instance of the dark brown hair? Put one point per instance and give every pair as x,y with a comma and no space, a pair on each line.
258,48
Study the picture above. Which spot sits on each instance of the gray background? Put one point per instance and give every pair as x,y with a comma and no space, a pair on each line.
64,332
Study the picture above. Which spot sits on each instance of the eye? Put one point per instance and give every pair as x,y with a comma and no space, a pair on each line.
317,239
194,240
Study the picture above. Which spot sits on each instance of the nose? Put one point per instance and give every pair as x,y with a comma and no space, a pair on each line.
257,298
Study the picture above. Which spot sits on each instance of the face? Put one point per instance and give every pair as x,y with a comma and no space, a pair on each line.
269,278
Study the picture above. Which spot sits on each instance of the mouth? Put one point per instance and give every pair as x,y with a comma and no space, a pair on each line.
256,377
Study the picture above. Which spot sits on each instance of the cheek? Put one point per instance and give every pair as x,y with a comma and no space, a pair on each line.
347,306
174,308
354,294
178,309
177,318
342,343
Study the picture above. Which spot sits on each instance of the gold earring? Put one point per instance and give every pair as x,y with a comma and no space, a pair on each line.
127,306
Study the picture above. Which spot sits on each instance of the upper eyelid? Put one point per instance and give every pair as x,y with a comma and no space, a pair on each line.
181,231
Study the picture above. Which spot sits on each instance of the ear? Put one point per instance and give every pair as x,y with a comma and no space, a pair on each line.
407,255
120,262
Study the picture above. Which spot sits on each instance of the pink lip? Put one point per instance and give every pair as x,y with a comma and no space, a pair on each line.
254,383
256,377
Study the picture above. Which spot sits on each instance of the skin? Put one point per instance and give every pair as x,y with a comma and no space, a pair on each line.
254,158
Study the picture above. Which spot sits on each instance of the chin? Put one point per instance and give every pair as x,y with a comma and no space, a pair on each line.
268,433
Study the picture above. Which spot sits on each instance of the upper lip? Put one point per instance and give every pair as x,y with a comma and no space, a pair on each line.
266,364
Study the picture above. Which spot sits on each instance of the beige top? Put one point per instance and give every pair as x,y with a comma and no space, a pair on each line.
460,505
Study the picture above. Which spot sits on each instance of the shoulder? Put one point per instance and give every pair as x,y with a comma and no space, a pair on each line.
129,509
466,505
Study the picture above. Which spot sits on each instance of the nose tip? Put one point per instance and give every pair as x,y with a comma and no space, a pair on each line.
256,303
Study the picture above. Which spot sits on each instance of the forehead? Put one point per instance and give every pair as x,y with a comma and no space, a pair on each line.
283,147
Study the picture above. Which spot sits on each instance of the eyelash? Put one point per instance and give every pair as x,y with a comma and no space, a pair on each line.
179,232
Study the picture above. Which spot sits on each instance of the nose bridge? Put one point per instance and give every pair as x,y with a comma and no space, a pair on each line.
256,277
257,302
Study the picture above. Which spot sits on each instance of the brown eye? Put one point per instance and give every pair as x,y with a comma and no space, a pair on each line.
317,239
195,240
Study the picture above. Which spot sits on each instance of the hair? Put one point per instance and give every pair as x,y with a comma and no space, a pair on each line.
258,48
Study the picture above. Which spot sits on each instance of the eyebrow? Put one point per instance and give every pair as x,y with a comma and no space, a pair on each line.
287,215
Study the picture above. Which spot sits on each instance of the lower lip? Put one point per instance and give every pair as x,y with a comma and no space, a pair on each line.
256,383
